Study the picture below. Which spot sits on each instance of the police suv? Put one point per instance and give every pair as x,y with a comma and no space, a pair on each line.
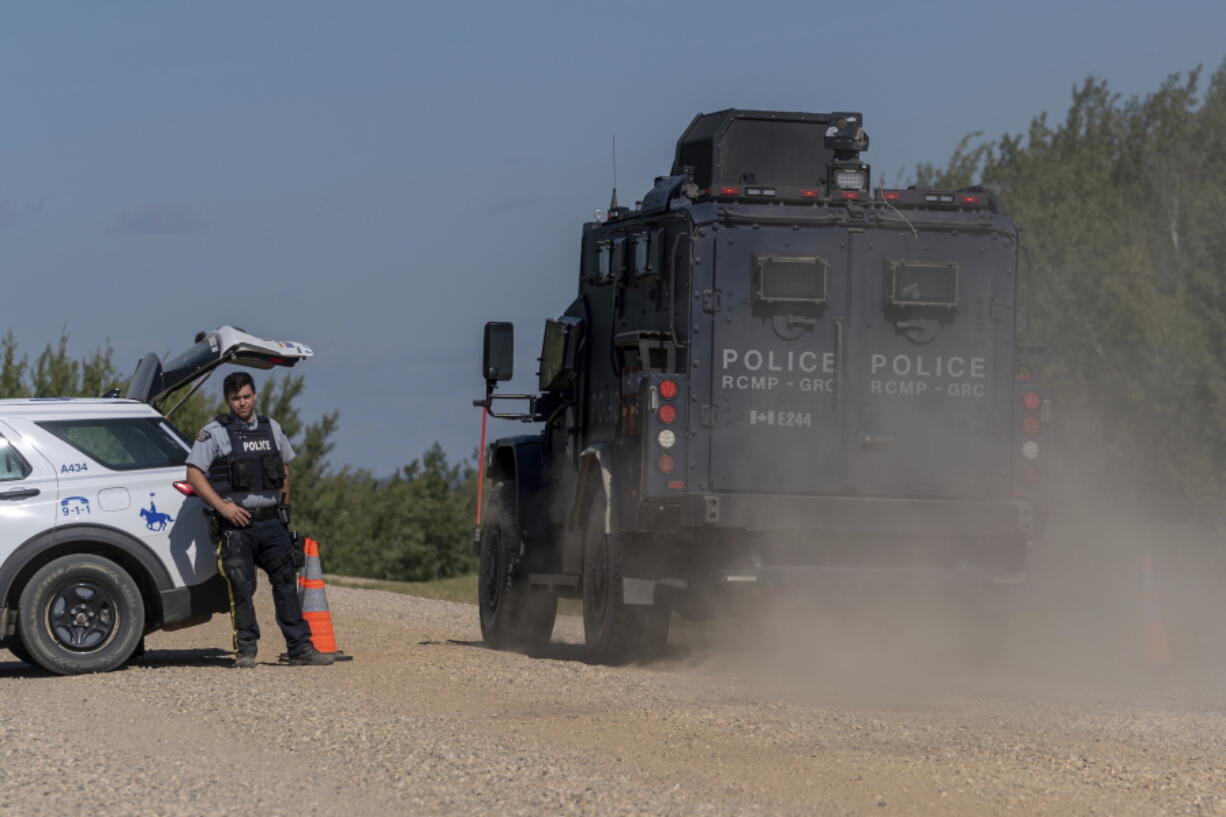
771,373
101,540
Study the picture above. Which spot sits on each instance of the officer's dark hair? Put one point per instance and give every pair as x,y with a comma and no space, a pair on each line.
235,381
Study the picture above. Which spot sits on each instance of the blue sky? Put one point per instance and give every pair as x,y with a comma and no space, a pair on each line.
379,179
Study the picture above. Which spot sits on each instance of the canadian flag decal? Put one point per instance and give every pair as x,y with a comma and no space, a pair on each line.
766,418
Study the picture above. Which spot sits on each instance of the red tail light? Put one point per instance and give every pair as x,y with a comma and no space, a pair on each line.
668,389
727,190
892,196
667,413
666,463
1031,425
808,194
1031,401
184,487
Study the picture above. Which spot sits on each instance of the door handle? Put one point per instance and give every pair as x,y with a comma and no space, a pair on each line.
20,493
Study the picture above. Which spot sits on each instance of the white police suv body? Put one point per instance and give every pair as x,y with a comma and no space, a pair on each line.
101,541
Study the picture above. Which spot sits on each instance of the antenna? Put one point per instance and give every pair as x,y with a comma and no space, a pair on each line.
613,201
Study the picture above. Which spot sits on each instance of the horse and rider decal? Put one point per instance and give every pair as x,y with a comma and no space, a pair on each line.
154,519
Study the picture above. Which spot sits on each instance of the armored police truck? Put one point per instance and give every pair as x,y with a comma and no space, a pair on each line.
772,372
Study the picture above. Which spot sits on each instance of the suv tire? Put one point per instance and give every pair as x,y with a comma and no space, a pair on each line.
512,617
81,614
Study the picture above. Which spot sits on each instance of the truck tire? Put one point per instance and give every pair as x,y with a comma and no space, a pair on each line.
615,632
79,614
512,617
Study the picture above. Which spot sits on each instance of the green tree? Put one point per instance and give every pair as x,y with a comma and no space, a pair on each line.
55,373
12,369
1120,207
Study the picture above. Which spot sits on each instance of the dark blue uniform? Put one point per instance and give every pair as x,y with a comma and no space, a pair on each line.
245,464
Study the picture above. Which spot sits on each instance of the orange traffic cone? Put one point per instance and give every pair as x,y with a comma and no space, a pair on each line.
315,600
1155,651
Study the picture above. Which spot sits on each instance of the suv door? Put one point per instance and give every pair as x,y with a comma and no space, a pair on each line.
124,469
29,490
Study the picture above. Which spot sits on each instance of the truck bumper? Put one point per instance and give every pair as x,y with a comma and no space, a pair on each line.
868,515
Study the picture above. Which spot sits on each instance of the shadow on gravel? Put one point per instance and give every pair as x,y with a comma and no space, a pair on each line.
558,651
10,667
204,657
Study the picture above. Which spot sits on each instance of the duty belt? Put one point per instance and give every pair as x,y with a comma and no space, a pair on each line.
257,514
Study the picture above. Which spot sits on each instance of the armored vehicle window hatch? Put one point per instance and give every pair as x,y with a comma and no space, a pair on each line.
647,252
617,259
789,279
604,261
914,284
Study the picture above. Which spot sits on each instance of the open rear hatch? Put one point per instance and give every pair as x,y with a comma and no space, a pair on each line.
226,344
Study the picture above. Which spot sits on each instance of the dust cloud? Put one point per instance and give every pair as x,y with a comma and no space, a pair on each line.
1121,597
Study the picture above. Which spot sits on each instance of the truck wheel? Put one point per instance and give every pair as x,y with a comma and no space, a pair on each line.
512,617
615,632
79,614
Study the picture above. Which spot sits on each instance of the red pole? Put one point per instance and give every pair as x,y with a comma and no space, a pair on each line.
481,466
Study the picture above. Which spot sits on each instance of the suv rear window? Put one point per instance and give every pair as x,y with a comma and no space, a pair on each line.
123,444
12,464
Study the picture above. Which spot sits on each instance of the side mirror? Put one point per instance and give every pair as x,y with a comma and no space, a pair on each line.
498,360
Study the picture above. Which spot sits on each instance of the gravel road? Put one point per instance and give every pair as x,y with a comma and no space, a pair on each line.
426,721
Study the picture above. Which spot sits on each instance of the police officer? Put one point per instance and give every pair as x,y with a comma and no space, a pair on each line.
239,466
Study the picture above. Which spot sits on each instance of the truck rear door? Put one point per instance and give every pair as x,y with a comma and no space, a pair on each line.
776,314
928,351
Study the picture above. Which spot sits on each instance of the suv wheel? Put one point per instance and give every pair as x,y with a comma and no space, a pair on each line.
80,614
